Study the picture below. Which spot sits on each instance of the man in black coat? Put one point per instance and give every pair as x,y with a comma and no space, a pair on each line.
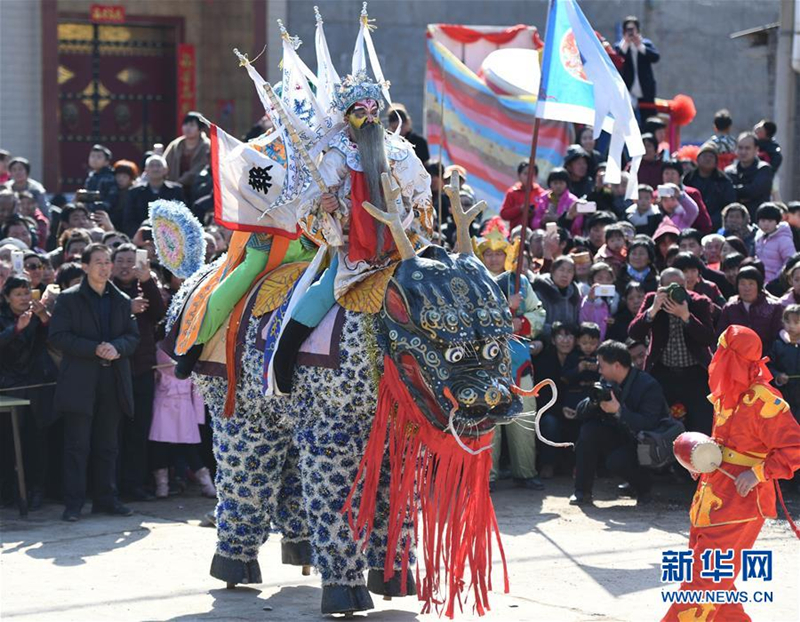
636,404
156,187
637,71
750,176
93,327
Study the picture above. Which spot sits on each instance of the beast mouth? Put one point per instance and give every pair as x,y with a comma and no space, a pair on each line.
469,419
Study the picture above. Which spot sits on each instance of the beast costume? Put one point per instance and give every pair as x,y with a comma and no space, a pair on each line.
758,434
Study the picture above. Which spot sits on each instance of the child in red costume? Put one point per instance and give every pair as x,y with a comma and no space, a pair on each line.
760,442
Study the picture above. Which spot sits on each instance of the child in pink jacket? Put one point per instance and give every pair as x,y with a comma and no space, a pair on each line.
774,240
554,203
178,410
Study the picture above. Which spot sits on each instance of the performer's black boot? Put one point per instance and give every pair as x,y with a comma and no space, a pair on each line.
294,334
393,587
186,362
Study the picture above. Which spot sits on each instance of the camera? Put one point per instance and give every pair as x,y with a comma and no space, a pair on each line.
91,199
600,392
676,293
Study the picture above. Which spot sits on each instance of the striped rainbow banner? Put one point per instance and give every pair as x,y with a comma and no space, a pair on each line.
486,133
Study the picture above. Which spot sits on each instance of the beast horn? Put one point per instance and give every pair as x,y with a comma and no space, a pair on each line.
392,217
462,218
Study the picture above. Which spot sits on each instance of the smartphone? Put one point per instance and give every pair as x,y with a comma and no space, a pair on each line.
551,228
605,291
141,258
17,262
587,208
665,190
36,294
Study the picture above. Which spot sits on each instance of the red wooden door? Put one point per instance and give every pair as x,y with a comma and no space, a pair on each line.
116,87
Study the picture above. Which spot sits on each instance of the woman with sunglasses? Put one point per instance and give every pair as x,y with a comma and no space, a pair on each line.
34,268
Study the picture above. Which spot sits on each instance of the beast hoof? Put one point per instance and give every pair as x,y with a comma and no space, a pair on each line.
296,553
235,571
345,599
393,587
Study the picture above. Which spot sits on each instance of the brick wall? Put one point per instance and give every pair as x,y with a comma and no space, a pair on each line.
21,81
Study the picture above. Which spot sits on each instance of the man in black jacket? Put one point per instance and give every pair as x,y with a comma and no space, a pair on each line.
93,327
636,403
637,71
156,187
750,176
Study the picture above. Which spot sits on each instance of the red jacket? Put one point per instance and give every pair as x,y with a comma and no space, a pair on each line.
763,430
700,335
514,201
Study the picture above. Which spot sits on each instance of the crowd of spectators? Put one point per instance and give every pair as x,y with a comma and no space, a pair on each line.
630,294
81,314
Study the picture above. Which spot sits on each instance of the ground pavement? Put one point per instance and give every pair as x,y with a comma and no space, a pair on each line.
565,563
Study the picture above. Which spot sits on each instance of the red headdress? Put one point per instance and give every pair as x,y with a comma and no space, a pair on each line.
736,365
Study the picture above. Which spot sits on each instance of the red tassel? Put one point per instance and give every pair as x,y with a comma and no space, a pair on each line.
434,479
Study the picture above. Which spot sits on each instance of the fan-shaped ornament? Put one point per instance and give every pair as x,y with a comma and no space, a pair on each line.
178,237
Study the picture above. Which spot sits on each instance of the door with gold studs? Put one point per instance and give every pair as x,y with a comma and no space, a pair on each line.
116,87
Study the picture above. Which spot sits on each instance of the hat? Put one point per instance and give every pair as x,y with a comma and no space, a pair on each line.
448,171
126,166
574,152
666,226
14,242
737,365
356,87
602,217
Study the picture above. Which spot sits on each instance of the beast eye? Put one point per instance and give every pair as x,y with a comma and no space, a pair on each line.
490,351
454,354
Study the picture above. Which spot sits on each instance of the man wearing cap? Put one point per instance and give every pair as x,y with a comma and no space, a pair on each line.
158,186
760,442
716,189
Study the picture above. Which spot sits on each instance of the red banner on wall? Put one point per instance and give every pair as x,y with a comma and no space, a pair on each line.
187,95
107,14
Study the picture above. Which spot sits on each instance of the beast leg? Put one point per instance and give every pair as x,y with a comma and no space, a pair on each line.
250,456
290,518
329,456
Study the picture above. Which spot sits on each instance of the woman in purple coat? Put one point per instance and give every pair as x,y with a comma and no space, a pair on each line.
753,307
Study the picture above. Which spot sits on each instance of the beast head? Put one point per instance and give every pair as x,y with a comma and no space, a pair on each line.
446,325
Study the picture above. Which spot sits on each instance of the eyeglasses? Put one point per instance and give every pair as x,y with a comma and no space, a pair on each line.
34,266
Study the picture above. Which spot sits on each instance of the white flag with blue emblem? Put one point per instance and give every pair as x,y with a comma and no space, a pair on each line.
580,84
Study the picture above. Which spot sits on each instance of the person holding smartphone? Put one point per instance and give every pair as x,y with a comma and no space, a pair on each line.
639,55
24,361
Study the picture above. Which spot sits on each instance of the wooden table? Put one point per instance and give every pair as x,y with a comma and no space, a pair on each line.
11,405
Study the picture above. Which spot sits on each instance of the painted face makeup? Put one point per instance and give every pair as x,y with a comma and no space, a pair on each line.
364,111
